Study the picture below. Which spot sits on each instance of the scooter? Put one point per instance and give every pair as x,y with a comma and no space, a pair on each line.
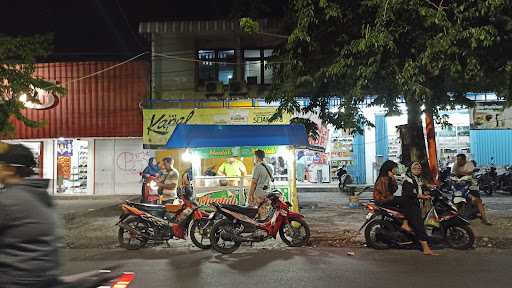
382,228
150,194
461,197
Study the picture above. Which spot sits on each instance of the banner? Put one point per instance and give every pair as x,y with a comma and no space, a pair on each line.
491,115
160,123
210,153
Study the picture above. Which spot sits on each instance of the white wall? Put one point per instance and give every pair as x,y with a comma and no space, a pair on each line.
118,164
104,167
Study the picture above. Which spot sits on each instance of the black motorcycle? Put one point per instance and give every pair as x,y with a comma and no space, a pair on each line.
505,180
343,178
488,180
383,226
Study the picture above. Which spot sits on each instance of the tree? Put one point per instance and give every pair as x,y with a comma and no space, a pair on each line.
18,56
429,53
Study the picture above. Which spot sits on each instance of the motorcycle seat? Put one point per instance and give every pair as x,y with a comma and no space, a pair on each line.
394,212
248,211
153,209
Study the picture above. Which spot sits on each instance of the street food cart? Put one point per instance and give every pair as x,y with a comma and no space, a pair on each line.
207,142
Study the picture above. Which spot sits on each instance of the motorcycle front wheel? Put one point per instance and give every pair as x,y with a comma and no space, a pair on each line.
200,233
220,237
295,233
460,237
371,234
131,240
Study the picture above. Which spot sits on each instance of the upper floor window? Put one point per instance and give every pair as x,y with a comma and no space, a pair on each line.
256,66
221,65
216,65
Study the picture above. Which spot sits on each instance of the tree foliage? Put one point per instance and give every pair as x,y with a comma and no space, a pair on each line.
18,56
427,52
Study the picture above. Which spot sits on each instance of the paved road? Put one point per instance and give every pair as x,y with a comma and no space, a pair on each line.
302,268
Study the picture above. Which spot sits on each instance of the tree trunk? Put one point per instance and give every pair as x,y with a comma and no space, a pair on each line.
412,137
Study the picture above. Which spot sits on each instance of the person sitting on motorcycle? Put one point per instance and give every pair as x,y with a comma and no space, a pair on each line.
385,188
412,192
462,168
28,239
152,169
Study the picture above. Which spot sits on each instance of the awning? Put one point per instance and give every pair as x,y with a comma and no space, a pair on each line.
196,136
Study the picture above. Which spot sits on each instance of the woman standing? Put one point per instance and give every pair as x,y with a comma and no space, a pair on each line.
412,192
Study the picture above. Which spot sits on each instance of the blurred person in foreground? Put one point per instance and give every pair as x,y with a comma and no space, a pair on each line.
28,241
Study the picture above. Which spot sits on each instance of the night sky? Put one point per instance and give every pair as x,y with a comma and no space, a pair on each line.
109,28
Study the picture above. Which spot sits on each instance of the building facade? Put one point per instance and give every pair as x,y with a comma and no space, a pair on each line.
91,140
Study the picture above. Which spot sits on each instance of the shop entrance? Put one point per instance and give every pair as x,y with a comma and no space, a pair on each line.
72,168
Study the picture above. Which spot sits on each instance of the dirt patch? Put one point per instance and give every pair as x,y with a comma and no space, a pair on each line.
91,229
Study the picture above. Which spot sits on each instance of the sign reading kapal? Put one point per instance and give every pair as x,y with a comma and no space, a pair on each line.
491,115
160,123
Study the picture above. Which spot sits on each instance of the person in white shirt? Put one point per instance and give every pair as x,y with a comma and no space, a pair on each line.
462,168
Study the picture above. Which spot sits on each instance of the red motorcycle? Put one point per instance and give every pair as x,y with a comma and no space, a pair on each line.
141,224
240,225
150,194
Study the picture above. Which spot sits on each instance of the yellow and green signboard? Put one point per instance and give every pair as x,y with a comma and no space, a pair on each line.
160,123
246,151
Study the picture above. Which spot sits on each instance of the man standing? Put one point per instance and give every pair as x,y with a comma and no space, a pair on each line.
169,181
261,177
462,168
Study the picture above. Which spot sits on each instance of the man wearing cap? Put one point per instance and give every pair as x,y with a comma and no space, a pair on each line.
28,242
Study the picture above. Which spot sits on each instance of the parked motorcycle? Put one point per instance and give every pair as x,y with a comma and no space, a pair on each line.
150,194
461,197
383,226
142,223
97,279
343,178
488,179
240,225
505,180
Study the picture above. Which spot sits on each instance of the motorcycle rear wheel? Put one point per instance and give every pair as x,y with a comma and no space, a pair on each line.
203,229
293,242
133,242
370,234
455,233
218,242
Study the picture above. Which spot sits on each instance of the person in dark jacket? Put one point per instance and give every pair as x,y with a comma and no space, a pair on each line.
412,192
28,241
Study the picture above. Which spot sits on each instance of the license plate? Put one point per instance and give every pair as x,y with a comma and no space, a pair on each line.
369,216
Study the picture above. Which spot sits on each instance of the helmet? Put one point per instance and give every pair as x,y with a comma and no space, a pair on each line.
16,155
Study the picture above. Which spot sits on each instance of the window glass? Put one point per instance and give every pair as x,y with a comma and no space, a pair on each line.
253,72
226,71
206,68
252,54
268,73
267,53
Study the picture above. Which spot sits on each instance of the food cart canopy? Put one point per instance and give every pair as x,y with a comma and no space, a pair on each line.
197,136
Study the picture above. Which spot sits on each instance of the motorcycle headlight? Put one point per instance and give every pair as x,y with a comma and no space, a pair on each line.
153,185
